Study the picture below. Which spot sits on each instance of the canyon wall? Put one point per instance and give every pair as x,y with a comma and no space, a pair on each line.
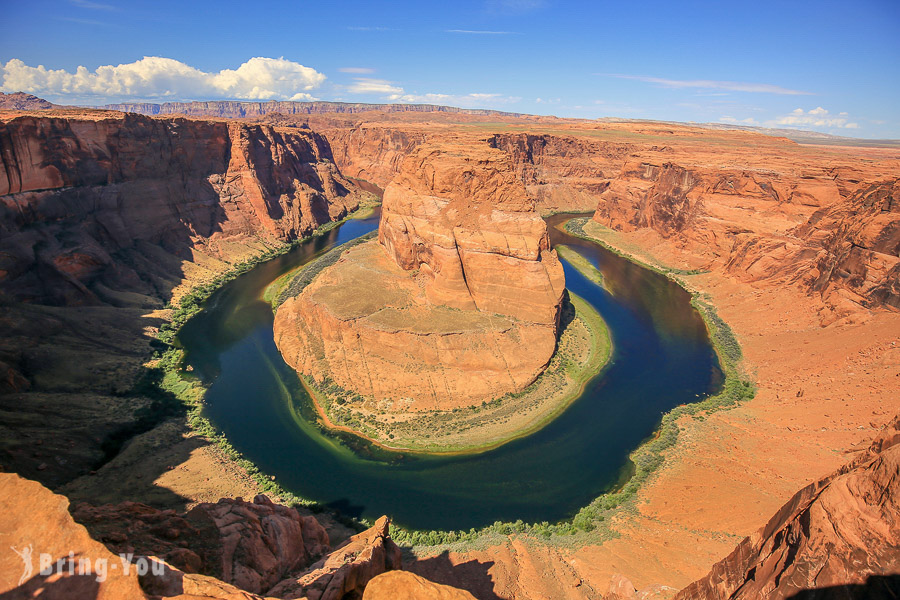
458,302
840,534
106,217
832,231
563,173
90,206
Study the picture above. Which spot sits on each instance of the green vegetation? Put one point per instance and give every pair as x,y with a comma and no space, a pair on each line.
581,264
294,282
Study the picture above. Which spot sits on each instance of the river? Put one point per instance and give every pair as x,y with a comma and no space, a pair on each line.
662,358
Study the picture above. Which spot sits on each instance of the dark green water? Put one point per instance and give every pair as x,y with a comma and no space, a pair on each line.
662,358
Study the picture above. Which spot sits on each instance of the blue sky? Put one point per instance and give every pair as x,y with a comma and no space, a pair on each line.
826,66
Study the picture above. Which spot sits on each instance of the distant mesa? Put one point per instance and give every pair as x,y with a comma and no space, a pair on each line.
23,101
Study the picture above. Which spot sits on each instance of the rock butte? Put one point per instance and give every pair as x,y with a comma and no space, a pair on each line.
458,302
104,217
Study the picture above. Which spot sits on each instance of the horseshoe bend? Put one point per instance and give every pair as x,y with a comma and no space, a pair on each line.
196,309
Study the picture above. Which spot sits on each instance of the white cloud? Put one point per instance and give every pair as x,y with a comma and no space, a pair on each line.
483,32
732,86
155,77
92,5
816,117
474,100
357,70
367,85
392,92
733,121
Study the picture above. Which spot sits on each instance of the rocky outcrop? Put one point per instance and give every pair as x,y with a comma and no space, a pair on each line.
459,303
401,585
346,571
94,206
459,216
36,524
228,550
251,545
822,229
839,532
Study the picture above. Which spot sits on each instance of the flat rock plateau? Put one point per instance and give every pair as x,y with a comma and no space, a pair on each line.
107,217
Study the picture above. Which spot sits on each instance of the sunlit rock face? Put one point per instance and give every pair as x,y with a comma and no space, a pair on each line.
457,302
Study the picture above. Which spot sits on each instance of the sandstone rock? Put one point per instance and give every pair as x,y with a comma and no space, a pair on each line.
86,203
620,588
401,585
35,522
251,545
459,304
347,569
839,531
820,231
460,216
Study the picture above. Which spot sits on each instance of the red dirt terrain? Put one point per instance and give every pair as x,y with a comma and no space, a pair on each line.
798,247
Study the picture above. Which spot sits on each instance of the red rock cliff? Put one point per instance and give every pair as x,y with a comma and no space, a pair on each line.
840,531
83,200
458,304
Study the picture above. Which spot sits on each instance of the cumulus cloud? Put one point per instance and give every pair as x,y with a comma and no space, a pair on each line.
817,117
731,86
154,77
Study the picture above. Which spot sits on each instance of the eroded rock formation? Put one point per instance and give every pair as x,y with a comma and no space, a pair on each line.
822,229
839,532
228,550
98,205
458,303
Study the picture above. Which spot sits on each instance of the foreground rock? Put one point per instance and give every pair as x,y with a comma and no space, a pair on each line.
231,549
252,545
458,304
347,570
400,585
842,531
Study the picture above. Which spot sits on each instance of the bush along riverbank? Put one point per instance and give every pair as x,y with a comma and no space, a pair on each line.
176,393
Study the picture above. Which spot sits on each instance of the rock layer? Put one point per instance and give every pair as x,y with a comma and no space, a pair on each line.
459,303
89,205
839,532
821,229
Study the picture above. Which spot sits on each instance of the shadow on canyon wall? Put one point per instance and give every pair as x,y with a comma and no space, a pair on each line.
100,220
876,587
472,576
